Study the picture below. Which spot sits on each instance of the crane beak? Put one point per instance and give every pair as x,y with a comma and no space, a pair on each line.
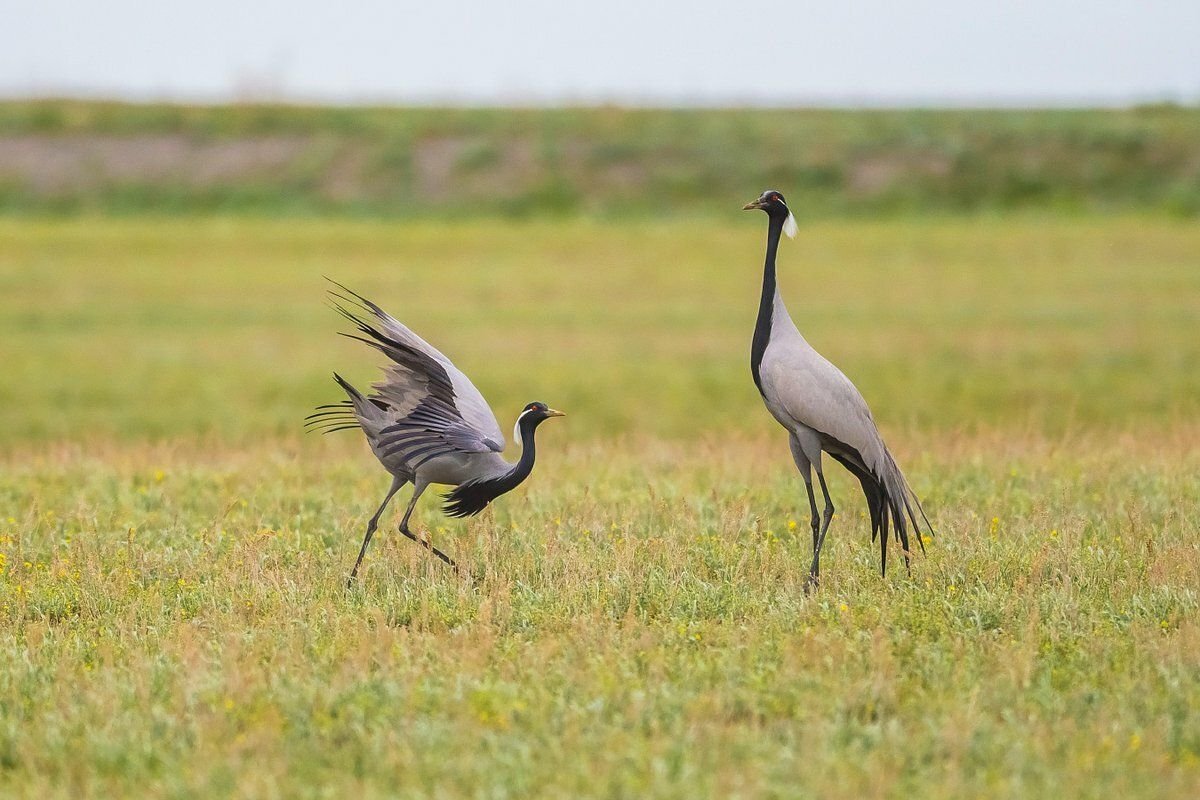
550,412
752,206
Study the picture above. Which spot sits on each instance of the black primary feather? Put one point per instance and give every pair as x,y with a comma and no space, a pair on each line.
330,417
870,488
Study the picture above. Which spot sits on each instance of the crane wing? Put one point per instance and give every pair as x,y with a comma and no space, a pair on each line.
800,385
812,391
431,407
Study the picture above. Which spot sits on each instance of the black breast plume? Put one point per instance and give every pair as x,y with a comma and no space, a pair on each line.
468,499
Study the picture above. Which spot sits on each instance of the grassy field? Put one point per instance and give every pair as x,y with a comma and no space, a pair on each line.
173,550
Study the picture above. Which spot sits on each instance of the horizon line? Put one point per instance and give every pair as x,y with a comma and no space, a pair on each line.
526,101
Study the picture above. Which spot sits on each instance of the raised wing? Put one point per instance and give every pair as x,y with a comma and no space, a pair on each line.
429,406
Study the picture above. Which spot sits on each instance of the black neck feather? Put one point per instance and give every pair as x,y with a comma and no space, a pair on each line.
472,497
766,304
520,471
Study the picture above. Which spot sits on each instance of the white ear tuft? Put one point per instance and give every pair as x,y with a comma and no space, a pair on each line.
517,428
790,227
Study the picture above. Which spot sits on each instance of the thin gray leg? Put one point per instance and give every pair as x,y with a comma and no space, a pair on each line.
418,488
814,574
804,465
372,525
812,504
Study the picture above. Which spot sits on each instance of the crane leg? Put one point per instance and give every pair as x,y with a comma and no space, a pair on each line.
814,574
418,488
812,581
372,526
806,452
804,465
812,504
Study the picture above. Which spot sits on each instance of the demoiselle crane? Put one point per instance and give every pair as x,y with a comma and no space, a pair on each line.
426,423
823,411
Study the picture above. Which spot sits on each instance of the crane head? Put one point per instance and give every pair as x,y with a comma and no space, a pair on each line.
531,416
541,410
773,203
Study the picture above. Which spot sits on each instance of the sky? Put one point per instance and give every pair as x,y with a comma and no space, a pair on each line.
669,52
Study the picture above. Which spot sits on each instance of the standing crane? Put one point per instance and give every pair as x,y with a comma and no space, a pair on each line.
426,423
823,411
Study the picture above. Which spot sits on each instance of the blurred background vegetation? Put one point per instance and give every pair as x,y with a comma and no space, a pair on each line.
967,268
64,157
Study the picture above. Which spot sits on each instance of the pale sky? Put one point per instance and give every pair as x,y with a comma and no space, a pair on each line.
628,51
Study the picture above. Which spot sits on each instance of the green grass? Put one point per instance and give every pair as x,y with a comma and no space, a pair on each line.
173,549
217,327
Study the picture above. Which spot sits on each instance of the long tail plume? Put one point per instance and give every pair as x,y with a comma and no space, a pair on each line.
900,503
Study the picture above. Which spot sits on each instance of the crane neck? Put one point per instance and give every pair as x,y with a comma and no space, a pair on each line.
520,471
472,496
766,303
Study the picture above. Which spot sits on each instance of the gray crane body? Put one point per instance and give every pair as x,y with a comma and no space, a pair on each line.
814,400
450,469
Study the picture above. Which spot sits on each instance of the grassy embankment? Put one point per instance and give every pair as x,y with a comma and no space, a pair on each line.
67,157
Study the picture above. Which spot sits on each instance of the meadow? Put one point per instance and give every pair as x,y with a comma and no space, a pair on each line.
173,549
